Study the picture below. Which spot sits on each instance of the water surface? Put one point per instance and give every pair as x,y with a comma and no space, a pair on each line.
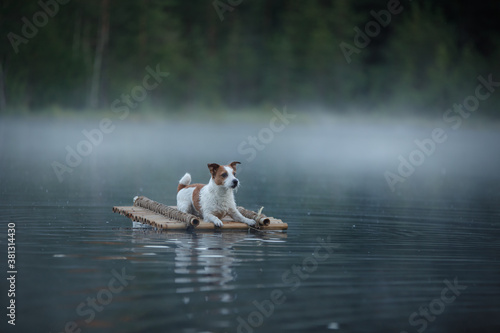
357,257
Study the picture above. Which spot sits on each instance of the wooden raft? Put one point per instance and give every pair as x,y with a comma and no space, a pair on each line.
160,216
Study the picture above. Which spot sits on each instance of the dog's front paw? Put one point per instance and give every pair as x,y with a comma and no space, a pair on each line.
249,221
218,223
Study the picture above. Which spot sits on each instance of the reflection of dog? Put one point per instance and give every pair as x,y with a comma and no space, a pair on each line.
214,200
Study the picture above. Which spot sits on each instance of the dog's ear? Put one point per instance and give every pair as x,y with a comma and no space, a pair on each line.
213,168
233,165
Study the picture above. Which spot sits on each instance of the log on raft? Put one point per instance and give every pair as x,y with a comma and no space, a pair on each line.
162,216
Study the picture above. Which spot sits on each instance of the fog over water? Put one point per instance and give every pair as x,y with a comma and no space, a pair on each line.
426,157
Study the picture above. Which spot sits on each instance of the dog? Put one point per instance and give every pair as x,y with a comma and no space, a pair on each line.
214,200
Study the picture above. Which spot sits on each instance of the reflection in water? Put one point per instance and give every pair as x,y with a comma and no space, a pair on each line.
205,272
206,261
205,266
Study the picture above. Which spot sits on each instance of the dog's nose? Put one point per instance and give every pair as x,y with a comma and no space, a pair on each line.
235,182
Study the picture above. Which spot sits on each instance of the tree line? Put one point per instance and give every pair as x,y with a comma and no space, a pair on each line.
377,56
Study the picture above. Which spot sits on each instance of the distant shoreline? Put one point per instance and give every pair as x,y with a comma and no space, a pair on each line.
307,117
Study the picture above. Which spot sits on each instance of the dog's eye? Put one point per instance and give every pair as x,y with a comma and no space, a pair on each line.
224,175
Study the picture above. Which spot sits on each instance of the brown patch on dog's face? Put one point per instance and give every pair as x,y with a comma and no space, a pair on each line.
224,175
220,176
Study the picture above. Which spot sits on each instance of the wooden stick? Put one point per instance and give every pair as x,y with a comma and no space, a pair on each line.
172,213
258,217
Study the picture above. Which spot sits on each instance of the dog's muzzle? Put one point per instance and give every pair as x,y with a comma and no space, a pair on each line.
234,184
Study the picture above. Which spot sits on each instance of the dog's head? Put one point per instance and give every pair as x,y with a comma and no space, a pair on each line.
224,175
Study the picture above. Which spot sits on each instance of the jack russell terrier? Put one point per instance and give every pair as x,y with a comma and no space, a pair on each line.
212,201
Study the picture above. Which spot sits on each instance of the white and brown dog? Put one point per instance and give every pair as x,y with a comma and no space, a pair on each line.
212,201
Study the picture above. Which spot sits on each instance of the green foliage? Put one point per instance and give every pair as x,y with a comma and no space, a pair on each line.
261,53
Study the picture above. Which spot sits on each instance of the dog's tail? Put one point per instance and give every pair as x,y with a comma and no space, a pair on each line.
184,182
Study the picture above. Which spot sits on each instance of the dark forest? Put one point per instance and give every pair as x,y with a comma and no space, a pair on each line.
389,57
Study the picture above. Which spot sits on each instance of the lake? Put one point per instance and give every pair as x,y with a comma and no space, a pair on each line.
393,227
